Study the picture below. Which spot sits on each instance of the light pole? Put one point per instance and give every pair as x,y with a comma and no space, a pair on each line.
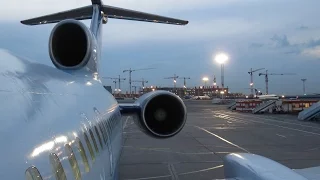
221,58
205,79
304,86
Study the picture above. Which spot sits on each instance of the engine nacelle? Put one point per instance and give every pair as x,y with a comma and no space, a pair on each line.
71,45
162,114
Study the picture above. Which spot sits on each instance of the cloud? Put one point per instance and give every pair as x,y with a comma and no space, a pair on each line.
312,52
129,32
256,45
280,41
302,27
313,43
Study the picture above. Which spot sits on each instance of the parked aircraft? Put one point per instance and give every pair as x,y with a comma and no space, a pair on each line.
60,123
205,97
269,96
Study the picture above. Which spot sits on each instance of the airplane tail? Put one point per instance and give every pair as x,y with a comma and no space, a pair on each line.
86,12
71,44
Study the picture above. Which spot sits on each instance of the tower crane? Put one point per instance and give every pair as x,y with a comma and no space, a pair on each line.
214,81
251,77
174,77
118,79
304,85
267,74
132,70
184,81
135,89
142,82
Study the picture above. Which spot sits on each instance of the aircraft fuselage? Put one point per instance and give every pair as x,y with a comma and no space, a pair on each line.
49,114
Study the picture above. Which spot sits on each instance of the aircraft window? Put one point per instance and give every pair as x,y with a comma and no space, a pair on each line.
73,162
32,173
57,168
99,137
94,141
83,155
89,147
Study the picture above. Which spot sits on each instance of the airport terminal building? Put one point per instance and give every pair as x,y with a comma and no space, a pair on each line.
194,91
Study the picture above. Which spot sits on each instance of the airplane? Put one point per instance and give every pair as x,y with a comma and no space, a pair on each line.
205,97
61,123
268,97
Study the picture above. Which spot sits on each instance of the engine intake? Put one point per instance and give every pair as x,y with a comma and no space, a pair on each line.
162,114
70,45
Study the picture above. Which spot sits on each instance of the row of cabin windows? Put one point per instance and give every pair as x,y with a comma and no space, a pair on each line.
106,128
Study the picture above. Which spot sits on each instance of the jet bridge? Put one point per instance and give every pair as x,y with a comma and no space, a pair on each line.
310,113
264,106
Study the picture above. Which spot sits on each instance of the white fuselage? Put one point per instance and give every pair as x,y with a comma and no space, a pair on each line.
201,97
43,110
271,96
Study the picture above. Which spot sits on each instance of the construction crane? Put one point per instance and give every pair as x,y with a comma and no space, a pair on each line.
132,70
251,78
267,80
142,82
115,85
119,79
304,86
256,90
174,77
135,89
184,81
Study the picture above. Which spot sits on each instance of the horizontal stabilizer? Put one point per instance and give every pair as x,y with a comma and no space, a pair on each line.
78,14
109,11
120,13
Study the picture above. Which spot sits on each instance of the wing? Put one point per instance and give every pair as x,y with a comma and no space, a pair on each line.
312,173
120,13
109,11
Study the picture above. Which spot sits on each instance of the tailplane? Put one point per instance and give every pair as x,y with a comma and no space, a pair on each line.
86,12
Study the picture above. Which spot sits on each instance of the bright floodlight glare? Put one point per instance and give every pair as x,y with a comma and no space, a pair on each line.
205,79
221,58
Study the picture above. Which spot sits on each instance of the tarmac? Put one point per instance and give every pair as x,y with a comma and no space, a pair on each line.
210,133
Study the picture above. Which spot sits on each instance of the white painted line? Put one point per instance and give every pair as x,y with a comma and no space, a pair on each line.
273,120
153,177
173,172
284,127
202,170
125,124
281,135
222,139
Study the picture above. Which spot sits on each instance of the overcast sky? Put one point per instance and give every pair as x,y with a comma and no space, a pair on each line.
282,36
